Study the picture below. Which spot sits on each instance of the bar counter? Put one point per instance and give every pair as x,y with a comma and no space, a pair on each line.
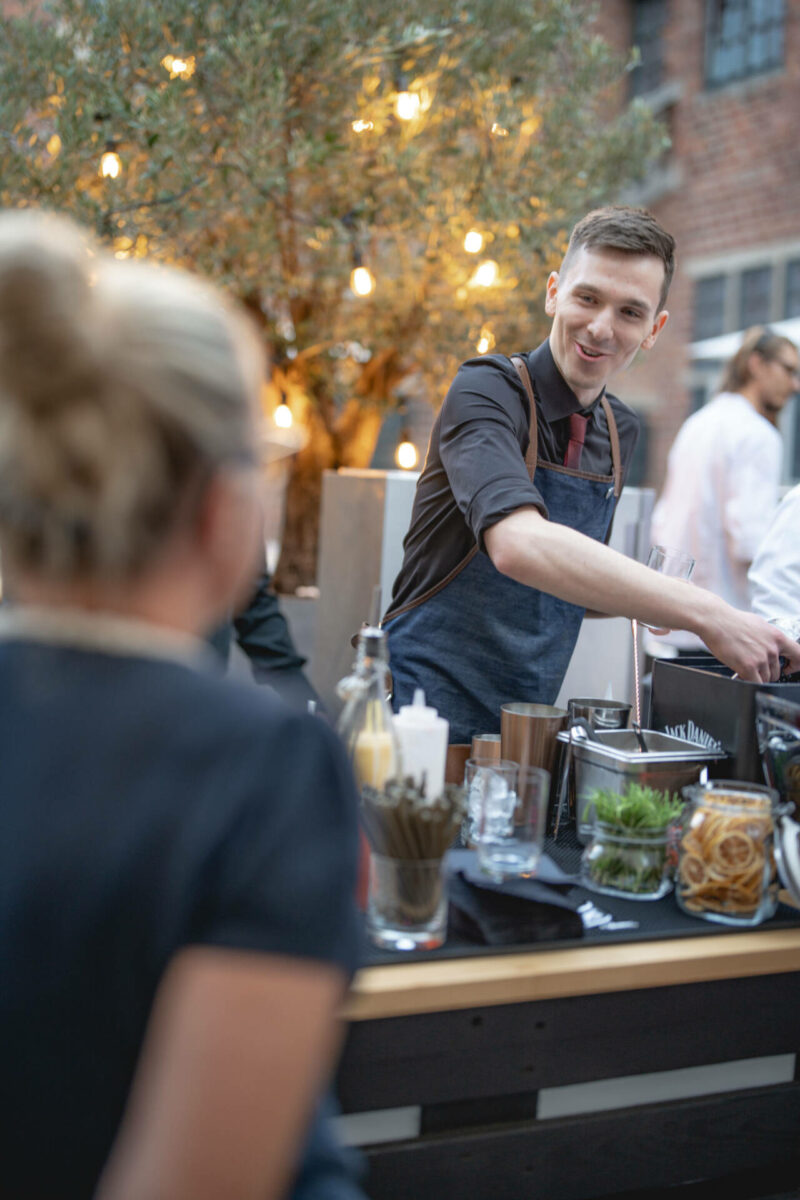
585,1069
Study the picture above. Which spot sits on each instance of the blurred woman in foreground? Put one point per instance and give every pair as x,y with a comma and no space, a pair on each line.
177,853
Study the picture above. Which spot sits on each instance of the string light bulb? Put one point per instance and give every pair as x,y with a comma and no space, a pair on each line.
486,341
406,455
283,416
486,273
362,126
407,106
473,242
179,67
362,281
110,163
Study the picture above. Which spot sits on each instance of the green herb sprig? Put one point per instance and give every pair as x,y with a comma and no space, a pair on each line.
638,807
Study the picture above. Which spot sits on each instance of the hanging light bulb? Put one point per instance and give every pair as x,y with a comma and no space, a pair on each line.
486,273
110,163
406,455
486,341
179,68
407,106
473,242
362,281
283,416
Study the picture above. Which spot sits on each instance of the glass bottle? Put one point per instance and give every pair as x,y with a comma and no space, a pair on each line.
366,725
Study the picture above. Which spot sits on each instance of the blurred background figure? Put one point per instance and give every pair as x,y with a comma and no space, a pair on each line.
775,574
723,475
257,643
177,851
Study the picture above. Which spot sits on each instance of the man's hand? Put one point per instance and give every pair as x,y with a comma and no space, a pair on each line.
750,646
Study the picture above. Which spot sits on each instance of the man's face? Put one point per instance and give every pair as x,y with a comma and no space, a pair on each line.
778,379
604,308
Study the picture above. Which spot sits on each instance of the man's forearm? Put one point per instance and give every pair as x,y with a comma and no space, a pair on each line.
567,564
560,561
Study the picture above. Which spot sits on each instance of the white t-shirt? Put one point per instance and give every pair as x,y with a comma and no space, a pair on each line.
775,574
721,489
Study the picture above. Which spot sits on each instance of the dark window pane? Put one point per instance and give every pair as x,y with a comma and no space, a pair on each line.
792,307
648,24
709,307
743,37
756,297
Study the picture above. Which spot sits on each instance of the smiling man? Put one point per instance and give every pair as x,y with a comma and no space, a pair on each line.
525,465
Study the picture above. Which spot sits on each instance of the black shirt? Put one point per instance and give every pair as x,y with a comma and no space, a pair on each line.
475,473
146,807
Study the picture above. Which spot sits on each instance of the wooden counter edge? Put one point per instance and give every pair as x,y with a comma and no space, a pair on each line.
403,989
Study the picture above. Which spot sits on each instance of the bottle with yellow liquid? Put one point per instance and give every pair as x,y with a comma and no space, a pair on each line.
366,722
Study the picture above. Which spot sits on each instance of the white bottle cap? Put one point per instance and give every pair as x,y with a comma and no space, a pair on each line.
419,713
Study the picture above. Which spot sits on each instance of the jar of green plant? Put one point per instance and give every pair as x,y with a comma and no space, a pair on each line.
628,855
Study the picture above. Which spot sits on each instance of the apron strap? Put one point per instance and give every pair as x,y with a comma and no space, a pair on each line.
530,457
616,457
533,432
530,463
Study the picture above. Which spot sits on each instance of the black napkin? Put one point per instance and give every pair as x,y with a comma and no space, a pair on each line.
515,911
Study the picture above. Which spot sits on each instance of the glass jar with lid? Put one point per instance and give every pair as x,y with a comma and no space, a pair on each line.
630,863
726,863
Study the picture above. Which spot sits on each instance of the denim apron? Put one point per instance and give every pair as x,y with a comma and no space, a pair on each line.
477,639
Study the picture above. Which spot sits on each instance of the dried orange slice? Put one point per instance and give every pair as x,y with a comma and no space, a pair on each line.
733,852
693,870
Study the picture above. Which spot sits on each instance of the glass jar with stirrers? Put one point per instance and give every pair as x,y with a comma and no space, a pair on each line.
409,836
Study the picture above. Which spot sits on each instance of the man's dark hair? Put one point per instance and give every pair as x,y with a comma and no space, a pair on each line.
632,230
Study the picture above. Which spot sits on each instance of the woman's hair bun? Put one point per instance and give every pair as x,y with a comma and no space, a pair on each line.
47,330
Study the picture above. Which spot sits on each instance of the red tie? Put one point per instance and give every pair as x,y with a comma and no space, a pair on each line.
577,433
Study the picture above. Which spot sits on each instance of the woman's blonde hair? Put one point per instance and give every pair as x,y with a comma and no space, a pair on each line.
757,340
123,386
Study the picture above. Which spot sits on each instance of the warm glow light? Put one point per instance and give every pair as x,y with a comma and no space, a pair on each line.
362,281
110,165
407,105
499,130
473,242
406,456
486,341
283,416
360,126
179,68
485,274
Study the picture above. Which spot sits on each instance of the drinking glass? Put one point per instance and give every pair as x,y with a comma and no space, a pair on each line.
510,835
491,788
667,561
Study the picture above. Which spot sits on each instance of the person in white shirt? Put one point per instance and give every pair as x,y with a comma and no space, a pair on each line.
723,473
775,574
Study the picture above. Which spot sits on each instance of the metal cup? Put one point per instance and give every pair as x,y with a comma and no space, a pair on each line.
528,733
486,745
600,714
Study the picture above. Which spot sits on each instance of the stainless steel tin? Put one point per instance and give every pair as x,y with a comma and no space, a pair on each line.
612,759
600,714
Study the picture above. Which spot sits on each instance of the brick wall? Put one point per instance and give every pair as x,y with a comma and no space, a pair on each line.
737,151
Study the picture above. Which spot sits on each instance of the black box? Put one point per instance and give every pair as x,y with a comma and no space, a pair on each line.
701,701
